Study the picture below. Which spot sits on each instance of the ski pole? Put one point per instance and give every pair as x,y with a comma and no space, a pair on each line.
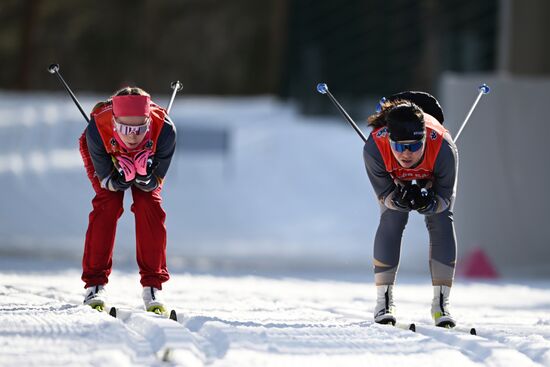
54,69
176,86
483,89
323,89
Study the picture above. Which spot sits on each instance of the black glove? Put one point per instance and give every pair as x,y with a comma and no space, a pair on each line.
422,200
117,182
401,197
147,182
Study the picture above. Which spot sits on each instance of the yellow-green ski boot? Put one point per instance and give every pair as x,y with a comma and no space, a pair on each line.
159,310
96,297
153,301
440,307
99,308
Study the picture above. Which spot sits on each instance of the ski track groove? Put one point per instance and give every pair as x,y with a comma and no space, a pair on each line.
293,339
255,327
478,348
170,341
51,328
524,340
202,340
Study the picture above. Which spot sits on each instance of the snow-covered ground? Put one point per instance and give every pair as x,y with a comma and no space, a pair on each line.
269,243
264,321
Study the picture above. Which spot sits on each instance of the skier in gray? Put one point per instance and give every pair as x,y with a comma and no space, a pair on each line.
412,164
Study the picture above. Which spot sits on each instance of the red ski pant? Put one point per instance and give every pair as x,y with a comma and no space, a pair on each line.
100,236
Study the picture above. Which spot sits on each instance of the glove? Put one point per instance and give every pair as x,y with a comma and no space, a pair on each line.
142,161
401,197
126,167
423,200
116,182
415,196
147,182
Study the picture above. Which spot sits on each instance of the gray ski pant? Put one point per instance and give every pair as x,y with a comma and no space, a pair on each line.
387,246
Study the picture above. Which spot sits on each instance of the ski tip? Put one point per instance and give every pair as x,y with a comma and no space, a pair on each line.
322,88
112,312
173,315
473,331
412,327
167,355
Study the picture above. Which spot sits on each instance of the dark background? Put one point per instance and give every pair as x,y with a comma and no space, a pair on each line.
246,47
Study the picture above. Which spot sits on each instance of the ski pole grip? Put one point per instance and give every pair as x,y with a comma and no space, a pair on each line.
53,68
176,85
322,88
484,88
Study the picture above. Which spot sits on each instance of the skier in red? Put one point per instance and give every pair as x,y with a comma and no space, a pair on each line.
412,163
128,144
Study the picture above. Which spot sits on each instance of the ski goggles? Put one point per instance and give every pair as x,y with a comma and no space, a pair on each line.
401,147
124,129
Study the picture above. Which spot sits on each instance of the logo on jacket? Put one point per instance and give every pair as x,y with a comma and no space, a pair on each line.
383,132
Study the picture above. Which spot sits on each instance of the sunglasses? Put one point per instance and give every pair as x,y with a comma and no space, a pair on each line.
124,129
401,147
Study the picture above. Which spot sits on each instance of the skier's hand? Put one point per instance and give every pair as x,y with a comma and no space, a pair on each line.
423,201
148,181
401,197
125,166
414,194
143,161
116,182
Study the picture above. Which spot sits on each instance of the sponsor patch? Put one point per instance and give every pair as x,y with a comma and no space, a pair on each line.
383,132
